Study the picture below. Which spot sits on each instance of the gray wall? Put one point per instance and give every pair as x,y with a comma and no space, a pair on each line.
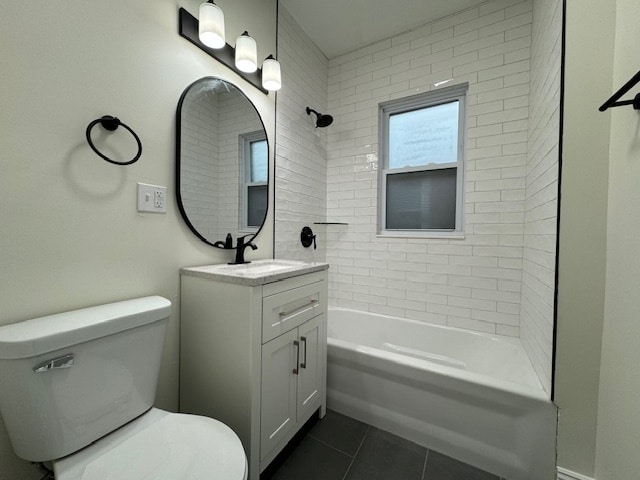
583,222
619,393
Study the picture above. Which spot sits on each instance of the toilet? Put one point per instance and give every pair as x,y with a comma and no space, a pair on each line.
78,390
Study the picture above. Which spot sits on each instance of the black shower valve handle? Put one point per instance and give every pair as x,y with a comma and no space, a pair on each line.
307,237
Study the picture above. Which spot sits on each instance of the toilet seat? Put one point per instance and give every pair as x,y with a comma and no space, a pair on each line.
160,445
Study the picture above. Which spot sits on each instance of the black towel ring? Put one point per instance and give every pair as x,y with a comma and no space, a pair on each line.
111,123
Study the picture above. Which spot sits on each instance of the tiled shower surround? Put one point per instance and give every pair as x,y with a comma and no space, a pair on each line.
301,149
541,204
499,278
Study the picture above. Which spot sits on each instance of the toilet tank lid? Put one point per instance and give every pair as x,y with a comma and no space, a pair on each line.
52,332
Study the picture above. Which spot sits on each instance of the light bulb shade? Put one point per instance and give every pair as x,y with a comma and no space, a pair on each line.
246,54
211,27
271,79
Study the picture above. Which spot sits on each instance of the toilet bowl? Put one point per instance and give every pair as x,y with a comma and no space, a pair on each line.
78,391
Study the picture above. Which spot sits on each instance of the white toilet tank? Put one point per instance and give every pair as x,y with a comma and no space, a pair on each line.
71,378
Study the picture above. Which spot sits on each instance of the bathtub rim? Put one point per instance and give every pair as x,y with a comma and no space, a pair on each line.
346,351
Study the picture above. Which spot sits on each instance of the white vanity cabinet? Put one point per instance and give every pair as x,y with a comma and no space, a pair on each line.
290,396
253,352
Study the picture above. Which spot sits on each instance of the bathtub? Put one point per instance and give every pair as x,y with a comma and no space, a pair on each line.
468,395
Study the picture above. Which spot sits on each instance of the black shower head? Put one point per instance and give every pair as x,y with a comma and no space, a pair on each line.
322,120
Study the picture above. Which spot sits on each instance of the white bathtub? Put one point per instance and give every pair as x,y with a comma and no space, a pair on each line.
468,395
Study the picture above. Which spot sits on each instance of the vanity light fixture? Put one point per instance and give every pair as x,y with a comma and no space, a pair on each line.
246,53
242,59
211,25
271,78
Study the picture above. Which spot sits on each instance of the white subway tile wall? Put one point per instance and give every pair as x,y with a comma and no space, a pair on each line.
499,278
240,118
474,283
541,202
199,155
301,165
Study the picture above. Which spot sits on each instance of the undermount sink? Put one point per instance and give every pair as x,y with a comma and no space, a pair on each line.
255,273
260,267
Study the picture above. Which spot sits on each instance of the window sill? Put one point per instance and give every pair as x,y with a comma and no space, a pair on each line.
425,235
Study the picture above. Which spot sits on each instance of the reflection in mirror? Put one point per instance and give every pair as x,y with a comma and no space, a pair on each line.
222,161
254,189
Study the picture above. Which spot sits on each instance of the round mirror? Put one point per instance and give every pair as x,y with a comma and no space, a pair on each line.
222,162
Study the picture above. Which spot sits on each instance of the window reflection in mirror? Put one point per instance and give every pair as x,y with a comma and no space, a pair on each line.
254,152
222,161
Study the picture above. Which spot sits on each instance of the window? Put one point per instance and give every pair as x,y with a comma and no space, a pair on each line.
254,177
421,163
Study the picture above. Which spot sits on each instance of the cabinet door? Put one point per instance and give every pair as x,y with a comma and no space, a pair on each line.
278,415
310,377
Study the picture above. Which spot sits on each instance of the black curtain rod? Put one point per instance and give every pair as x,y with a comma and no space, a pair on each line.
613,101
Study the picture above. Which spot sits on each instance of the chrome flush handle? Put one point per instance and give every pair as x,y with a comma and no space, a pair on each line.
66,361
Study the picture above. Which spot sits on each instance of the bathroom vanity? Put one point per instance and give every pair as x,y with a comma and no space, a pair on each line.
253,348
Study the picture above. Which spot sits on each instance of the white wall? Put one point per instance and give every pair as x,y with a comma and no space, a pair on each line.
301,165
618,412
473,283
541,202
71,236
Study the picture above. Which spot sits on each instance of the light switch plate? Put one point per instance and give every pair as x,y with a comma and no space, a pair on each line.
152,198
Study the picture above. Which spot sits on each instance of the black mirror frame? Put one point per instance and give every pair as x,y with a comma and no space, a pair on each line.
183,213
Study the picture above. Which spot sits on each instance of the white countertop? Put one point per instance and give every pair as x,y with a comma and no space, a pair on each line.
255,273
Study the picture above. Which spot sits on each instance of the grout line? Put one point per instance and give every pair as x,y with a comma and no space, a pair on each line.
327,444
424,467
357,452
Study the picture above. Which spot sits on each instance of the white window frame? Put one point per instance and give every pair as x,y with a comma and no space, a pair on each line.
416,102
245,140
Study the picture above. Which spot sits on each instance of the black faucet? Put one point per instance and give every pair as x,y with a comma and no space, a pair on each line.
240,248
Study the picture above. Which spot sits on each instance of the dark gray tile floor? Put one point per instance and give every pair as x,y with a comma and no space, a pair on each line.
341,448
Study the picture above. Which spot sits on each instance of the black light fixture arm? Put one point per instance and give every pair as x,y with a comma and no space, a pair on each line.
613,101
